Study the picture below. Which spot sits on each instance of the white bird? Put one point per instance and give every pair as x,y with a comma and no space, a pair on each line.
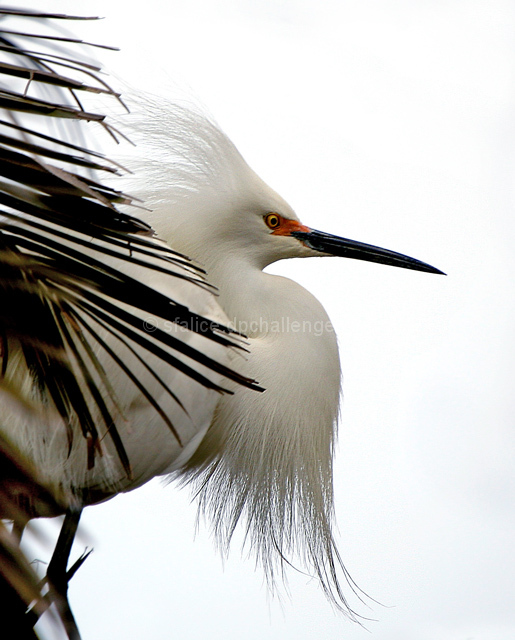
265,456
261,453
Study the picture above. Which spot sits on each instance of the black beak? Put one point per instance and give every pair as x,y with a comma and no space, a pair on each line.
345,248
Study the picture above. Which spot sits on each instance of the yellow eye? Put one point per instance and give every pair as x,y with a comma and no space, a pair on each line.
272,220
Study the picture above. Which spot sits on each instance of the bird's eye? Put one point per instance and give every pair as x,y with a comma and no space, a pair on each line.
272,220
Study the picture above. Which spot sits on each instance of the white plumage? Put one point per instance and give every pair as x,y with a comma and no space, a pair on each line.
267,456
264,457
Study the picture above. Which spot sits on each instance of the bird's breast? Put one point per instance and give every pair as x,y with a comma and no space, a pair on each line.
293,354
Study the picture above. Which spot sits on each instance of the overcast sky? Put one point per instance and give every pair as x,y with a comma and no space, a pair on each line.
389,122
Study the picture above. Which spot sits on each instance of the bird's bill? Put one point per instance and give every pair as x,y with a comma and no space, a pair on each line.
345,248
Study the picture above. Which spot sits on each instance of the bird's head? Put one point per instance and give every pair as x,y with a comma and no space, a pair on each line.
209,204
271,231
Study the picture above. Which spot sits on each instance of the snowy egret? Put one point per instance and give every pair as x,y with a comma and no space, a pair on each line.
265,456
261,452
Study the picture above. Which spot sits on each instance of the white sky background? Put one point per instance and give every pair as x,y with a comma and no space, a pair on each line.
392,123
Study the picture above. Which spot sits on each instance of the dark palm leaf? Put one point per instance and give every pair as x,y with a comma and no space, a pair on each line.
57,286
66,252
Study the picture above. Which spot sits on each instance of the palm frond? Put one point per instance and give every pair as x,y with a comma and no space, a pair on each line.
74,270
66,248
